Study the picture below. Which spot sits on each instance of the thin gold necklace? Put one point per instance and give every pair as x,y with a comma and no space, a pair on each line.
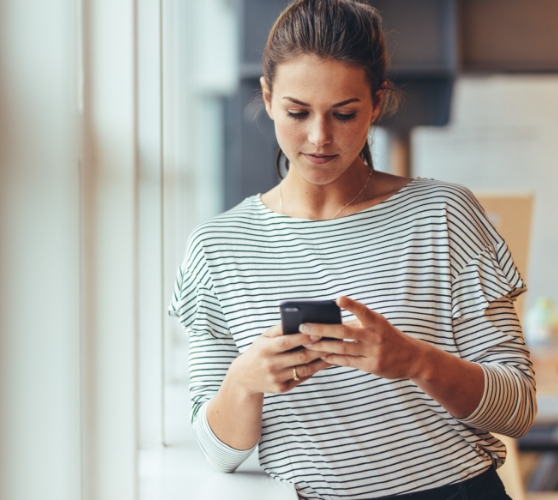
342,208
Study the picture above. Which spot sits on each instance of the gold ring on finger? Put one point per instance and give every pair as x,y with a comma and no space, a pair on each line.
295,375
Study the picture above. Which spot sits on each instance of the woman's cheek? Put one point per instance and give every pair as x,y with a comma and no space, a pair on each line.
355,138
289,135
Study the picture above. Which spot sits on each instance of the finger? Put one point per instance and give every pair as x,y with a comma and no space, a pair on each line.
304,372
337,347
365,315
344,360
342,331
283,343
298,357
355,323
274,331
307,371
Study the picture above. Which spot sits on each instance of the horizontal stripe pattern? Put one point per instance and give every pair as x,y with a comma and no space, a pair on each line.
430,262
508,372
218,454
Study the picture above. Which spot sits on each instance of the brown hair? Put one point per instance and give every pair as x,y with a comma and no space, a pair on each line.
344,30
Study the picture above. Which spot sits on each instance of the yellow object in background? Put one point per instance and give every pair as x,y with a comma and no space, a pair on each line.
511,215
541,323
541,335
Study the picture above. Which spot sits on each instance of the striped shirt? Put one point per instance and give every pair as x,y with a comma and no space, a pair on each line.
429,261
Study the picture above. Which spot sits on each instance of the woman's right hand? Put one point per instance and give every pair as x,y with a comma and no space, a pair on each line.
267,366
235,412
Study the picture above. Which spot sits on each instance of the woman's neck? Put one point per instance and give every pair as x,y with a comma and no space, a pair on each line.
303,199
298,198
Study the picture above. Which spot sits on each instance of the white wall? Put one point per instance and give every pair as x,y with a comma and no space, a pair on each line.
69,255
503,136
109,262
39,257
107,160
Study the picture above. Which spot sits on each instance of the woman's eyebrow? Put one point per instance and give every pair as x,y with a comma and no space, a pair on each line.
348,101
339,104
296,101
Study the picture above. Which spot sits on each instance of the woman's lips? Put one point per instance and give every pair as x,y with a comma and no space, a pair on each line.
319,159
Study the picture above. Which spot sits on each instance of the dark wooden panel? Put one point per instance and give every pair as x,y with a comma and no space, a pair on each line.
421,35
509,35
425,102
421,39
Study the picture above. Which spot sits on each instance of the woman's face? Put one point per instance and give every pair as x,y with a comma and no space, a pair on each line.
322,110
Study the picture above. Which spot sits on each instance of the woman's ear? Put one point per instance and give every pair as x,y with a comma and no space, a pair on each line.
266,94
378,99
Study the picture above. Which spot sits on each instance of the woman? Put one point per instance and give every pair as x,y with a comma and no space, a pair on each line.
430,358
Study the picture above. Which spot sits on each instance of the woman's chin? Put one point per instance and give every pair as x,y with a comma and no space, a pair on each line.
320,175
321,179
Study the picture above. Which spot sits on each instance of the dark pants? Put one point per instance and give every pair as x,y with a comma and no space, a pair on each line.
486,486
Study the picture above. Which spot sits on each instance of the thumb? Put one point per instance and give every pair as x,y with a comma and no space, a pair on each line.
274,331
365,315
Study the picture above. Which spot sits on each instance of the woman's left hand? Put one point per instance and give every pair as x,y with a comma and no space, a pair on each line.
374,346
378,347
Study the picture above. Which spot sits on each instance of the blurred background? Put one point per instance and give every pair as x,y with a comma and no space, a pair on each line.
124,124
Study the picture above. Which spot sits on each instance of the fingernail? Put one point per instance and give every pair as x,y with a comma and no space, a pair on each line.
305,328
314,338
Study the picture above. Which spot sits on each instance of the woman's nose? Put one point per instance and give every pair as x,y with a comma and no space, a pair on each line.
319,133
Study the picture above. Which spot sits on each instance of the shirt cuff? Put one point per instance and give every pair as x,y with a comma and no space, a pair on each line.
217,453
500,409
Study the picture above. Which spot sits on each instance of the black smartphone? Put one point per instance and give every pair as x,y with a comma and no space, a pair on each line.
296,312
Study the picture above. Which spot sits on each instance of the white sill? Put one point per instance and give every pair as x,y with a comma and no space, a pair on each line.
179,471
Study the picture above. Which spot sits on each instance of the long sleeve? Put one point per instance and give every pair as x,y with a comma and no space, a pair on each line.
211,351
485,326
494,340
209,361
217,453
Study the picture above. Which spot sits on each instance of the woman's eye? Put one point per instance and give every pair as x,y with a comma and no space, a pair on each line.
297,116
345,117
303,114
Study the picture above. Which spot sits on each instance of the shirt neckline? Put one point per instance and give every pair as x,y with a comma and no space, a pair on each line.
262,206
